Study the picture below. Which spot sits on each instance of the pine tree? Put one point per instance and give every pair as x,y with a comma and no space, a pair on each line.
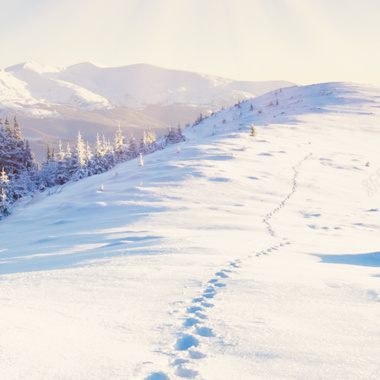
16,130
99,161
89,159
119,146
7,126
6,186
15,153
144,143
174,137
132,148
253,130
61,152
3,178
48,157
63,174
79,159
4,204
151,141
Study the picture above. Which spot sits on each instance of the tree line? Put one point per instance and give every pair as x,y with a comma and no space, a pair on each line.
21,175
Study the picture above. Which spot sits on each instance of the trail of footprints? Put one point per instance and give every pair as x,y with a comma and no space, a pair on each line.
268,216
195,328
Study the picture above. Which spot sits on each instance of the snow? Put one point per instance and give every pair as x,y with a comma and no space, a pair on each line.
13,91
235,257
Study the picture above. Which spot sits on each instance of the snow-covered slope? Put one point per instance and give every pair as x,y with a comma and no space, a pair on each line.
37,79
233,257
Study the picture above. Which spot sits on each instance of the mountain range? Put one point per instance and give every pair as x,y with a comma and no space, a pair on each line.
54,103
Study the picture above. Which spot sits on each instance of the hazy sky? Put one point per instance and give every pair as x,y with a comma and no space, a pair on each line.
305,41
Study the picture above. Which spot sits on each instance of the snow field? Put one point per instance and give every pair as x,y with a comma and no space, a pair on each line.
237,258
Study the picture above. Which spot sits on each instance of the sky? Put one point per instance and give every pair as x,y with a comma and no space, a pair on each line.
303,41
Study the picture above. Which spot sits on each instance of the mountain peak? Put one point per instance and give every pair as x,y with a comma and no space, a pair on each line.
37,67
87,65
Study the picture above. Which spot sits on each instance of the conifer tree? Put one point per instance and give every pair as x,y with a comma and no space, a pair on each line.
79,159
144,143
99,161
6,186
151,141
4,204
132,148
119,146
61,152
16,130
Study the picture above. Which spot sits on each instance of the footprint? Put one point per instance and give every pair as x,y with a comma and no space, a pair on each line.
213,280
221,274
179,362
193,309
201,315
190,322
220,284
185,372
157,376
185,342
196,355
204,331
206,304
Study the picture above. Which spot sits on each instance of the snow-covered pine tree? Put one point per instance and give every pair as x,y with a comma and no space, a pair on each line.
89,159
170,137
4,204
62,175
174,137
15,153
49,170
132,147
6,193
151,141
144,143
16,130
108,153
61,152
68,167
99,161
119,146
79,159
4,180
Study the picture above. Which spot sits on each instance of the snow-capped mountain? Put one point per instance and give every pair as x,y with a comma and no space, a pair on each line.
228,256
54,103
87,86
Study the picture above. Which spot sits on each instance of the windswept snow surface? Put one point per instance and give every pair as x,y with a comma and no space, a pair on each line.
235,257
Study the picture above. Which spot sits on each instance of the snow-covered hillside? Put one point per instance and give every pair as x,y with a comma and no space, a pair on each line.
233,257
